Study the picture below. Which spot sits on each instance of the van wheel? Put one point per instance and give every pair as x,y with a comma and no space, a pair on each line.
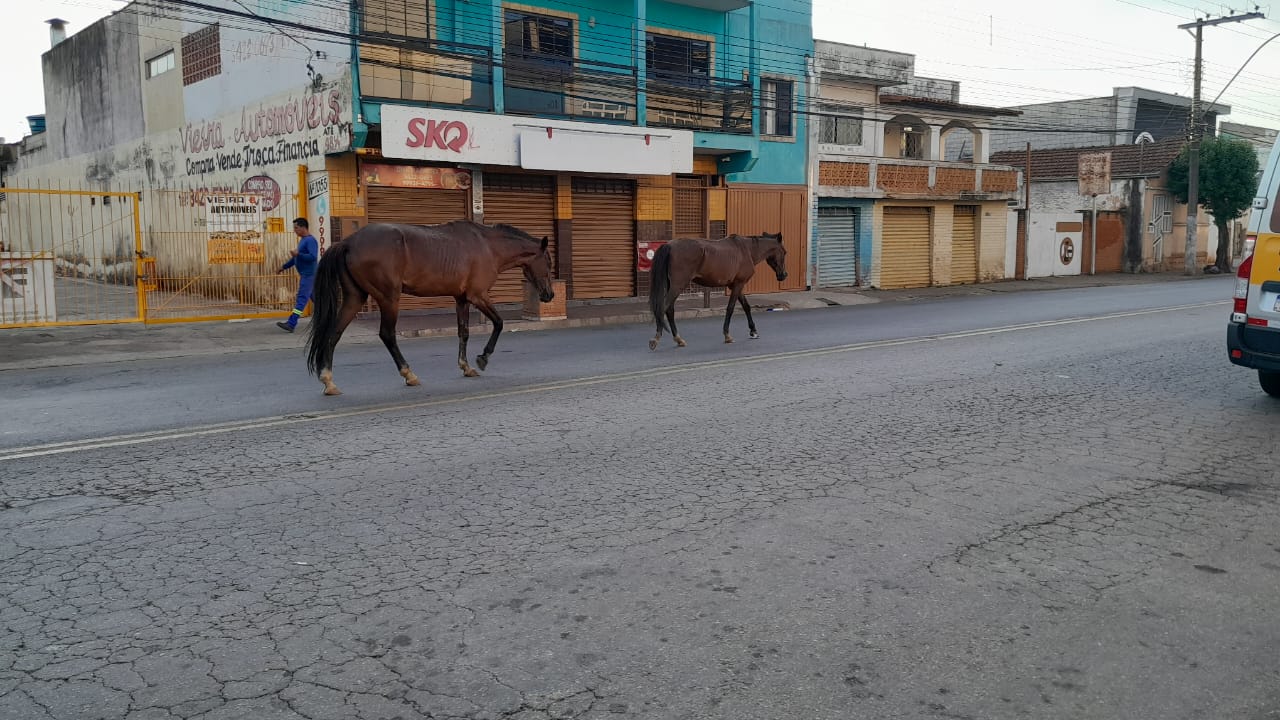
1270,382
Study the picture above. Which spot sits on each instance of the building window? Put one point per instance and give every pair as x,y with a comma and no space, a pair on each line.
677,59
161,64
542,37
912,143
201,54
776,98
401,18
845,129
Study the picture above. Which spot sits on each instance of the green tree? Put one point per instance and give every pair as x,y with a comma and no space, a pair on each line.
1228,180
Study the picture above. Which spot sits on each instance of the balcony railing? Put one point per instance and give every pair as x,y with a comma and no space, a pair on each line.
461,75
429,71
895,177
695,102
536,84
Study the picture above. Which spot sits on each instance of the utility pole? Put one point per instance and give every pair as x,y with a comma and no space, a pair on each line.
1193,152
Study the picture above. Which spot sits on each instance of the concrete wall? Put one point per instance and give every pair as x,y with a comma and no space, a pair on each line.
1093,113
93,88
162,102
930,88
843,93
883,67
1011,245
258,63
175,172
1062,199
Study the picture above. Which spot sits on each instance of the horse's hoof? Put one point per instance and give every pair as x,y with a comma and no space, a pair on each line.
331,391
653,344
727,339
482,361
755,336
470,372
412,381
680,342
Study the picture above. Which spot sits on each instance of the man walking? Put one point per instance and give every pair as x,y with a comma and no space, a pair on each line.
305,258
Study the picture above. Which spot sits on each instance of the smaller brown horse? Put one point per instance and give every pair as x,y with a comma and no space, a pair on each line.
730,262
461,259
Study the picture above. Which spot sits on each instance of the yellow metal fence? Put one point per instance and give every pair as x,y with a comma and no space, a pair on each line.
200,267
72,256
68,257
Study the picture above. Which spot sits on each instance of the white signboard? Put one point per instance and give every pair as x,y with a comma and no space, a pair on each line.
235,229
1095,173
414,133
318,206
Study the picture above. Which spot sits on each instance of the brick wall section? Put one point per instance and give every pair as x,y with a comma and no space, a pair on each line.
955,180
999,180
844,174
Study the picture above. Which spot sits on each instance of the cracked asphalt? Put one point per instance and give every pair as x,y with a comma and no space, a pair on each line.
879,512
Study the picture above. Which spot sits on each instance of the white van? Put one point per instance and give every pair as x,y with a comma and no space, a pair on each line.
1253,337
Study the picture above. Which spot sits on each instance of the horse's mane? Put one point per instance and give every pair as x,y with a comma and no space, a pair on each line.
513,230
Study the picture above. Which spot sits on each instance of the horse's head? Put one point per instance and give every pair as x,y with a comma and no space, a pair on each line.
775,254
533,258
538,272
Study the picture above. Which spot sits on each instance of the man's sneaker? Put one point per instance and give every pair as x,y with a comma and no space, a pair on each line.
284,326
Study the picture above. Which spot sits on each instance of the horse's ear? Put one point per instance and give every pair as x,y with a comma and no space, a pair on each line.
545,242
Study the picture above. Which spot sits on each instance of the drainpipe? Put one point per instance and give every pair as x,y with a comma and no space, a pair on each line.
811,167
497,90
753,68
359,130
640,63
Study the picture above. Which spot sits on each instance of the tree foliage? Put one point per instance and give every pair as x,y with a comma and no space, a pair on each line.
1228,181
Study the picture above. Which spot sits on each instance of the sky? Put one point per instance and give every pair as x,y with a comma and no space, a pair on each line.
1003,52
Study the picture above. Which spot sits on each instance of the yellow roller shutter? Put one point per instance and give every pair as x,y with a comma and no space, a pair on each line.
905,249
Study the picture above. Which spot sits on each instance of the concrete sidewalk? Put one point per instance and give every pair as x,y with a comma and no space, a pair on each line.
82,345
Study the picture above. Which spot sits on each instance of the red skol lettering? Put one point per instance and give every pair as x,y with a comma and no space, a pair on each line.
425,133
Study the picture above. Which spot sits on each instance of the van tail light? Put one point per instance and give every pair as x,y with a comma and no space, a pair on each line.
1250,241
1242,285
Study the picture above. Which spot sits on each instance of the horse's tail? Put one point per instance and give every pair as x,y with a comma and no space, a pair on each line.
660,285
326,298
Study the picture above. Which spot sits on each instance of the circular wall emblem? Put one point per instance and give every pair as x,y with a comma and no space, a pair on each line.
265,188
1066,251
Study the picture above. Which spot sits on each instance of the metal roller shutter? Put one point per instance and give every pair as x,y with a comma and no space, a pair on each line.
837,246
527,202
964,245
905,249
416,206
604,240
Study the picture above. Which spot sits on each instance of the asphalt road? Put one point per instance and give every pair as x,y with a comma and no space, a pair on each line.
72,403
1050,505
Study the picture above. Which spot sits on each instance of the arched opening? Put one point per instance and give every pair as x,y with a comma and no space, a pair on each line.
961,142
906,136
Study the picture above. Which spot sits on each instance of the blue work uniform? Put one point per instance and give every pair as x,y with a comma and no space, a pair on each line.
305,261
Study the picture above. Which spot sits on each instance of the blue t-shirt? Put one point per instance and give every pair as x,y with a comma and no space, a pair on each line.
308,256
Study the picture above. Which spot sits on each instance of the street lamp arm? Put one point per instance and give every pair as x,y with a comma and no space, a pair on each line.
1246,62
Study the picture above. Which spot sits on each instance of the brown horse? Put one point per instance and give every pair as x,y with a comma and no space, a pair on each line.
461,259
730,262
